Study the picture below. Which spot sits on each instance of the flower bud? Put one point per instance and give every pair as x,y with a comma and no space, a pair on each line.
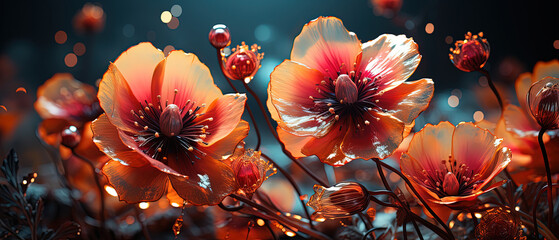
219,36
543,99
498,223
90,19
70,137
340,200
470,54
243,63
250,171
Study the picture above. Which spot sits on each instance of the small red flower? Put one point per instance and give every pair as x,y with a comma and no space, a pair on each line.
250,170
341,100
451,166
386,8
90,19
470,54
167,127
543,99
243,63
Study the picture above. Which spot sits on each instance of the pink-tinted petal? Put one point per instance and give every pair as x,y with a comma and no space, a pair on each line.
546,69
522,85
137,65
64,97
432,145
518,122
473,146
106,137
391,58
117,100
327,148
292,86
378,139
208,181
222,117
466,201
174,199
491,169
293,143
182,77
325,44
408,100
226,146
136,184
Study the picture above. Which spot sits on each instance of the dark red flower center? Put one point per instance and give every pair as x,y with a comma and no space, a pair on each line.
169,130
453,180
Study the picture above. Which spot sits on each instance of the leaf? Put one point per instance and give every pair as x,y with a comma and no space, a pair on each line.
10,167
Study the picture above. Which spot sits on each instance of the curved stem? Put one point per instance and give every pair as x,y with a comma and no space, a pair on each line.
270,229
534,208
247,107
275,134
383,177
230,208
549,180
280,218
294,184
369,232
437,218
98,184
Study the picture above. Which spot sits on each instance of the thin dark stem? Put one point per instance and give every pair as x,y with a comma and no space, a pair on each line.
294,184
535,207
280,218
230,208
247,107
142,224
275,134
417,229
549,180
404,231
437,218
372,230
365,220
493,88
383,177
270,229
98,184
474,218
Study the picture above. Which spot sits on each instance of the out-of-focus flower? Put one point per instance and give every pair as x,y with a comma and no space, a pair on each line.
250,170
167,127
451,166
341,100
89,19
340,200
386,8
220,36
543,99
499,223
470,54
63,97
243,63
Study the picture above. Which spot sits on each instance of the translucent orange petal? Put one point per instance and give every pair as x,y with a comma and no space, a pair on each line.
222,116
546,69
291,87
325,44
117,100
327,148
208,182
474,147
517,122
137,65
491,169
226,146
293,143
408,100
378,139
136,184
522,85
431,145
390,57
183,72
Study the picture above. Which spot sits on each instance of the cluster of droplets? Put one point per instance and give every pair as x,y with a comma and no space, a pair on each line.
452,179
349,95
164,125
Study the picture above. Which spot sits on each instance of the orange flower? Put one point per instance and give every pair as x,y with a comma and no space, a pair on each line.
341,100
89,19
451,166
166,122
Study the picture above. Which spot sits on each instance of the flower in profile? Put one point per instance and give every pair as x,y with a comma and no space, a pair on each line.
250,170
89,19
470,54
386,8
499,223
339,201
543,99
167,127
451,166
220,36
243,63
341,100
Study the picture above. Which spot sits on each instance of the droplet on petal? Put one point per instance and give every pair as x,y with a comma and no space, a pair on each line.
171,120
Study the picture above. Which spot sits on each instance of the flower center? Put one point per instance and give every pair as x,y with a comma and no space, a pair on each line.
346,90
451,184
452,180
170,120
